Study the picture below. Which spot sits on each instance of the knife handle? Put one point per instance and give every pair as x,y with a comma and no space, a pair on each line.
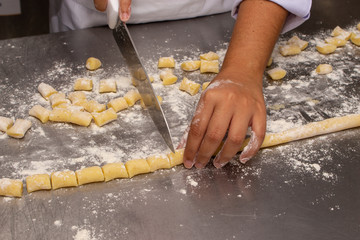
112,12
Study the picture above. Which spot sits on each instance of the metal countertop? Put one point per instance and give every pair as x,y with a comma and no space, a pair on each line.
280,194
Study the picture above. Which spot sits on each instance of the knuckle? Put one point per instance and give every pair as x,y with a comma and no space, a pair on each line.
196,131
214,136
235,139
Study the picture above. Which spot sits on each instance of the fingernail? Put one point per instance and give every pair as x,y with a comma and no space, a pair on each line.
188,163
219,164
124,16
244,160
199,165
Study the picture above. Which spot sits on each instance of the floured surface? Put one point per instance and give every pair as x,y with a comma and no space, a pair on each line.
297,179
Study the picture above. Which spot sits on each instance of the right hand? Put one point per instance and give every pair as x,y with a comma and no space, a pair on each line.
124,10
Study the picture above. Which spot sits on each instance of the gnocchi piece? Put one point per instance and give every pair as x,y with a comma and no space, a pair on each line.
190,65
57,99
5,123
63,179
209,66
93,63
355,39
149,101
295,40
324,69
338,31
89,175
151,78
325,48
93,106
104,117
76,97
71,107
158,162
46,90
38,182
107,85
209,56
118,104
60,115
289,50
11,187
358,26
81,118
166,62
20,127
269,62
176,158
114,170
277,73
83,84
205,85
40,113
136,167
337,41
131,97
190,87
168,77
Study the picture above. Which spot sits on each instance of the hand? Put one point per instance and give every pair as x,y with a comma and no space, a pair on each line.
232,102
124,10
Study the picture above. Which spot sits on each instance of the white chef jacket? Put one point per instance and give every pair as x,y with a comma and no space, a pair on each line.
78,14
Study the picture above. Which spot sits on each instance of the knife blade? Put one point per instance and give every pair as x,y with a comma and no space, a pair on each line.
141,79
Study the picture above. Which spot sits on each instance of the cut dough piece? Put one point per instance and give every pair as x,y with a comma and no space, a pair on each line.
324,69
337,41
89,175
63,179
190,87
277,73
269,62
46,90
176,158
93,106
93,63
107,85
325,48
355,39
83,84
104,117
136,167
38,182
190,65
60,115
11,187
149,101
158,162
81,118
40,113
358,26
75,97
338,31
5,123
289,50
114,170
20,127
166,62
205,85
168,77
295,40
209,66
118,104
310,130
209,56
132,97
57,99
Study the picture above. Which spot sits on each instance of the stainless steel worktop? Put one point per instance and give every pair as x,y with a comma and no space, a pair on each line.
307,189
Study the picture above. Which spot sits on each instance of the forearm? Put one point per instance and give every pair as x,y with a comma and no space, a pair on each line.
255,33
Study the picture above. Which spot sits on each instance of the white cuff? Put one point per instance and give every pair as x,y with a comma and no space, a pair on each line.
299,12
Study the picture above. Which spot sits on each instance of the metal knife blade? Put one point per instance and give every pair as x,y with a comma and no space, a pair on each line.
141,81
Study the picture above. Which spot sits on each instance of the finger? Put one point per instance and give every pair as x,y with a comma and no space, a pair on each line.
183,139
258,129
215,133
237,131
125,10
100,5
196,133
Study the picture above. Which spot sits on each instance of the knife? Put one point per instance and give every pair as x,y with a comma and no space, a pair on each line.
137,70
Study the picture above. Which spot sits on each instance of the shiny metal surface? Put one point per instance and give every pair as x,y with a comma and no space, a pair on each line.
142,81
278,195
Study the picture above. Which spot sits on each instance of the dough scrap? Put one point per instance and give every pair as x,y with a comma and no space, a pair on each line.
38,182
190,87
190,65
104,117
107,85
166,62
277,73
5,123
209,66
89,175
83,84
11,187
324,69
114,170
20,127
136,167
46,90
158,162
93,63
62,179
40,113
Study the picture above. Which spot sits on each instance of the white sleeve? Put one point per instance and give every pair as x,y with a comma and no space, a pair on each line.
299,12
